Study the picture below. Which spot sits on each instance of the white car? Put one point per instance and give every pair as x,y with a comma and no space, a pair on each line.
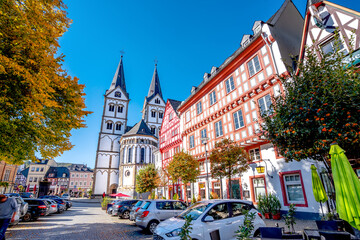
53,206
213,219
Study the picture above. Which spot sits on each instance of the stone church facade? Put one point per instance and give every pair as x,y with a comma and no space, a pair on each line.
123,150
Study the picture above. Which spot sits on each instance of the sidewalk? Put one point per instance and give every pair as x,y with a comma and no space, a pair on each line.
86,200
299,226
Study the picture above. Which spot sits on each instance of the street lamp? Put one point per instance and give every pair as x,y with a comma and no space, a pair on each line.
204,141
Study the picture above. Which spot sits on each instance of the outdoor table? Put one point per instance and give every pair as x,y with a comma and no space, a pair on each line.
313,234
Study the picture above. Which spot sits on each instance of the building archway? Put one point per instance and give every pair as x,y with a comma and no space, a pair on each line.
112,189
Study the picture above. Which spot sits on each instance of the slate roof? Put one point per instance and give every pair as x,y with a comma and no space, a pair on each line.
278,13
174,104
25,172
119,78
155,87
140,129
80,168
58,171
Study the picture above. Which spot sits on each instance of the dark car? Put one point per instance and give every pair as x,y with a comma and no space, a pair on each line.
27,195
123,208
68,203
36,208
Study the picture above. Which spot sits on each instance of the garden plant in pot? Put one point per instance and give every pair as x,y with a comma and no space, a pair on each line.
275,207
264,205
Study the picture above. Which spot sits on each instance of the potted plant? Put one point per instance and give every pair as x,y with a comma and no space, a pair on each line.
275,207
104,203
264,205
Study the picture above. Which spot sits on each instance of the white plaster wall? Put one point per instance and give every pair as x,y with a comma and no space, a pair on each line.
114,178
115,161
105,143
127,181
101,182
103,160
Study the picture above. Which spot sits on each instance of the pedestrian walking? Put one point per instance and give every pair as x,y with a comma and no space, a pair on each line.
8,207
104,194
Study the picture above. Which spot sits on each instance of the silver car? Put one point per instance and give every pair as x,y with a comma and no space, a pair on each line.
135,209
53,206
155,211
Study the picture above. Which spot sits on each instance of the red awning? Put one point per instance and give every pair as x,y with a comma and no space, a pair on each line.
119,195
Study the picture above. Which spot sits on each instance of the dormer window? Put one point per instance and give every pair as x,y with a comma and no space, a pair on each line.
118,94
157,101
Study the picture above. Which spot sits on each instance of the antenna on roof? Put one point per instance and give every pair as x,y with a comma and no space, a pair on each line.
156,61
122,52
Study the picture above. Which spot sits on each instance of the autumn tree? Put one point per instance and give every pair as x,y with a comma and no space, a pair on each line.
320,104
39,103
147,179
184,167
228,159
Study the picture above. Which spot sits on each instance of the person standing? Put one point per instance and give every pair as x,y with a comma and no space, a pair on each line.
8,207
104,195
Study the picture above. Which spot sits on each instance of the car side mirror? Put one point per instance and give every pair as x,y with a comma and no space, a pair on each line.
209,219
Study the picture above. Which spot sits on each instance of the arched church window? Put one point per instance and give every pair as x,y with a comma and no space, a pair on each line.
118,127
127,173
157,101
153,114
129,155
142,155
161,114
153,129
120,109
109,125
111,108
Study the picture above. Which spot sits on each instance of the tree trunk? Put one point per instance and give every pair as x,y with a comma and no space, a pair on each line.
230,187
221,189
185,193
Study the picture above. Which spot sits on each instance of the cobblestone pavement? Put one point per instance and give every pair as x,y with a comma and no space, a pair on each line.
82,221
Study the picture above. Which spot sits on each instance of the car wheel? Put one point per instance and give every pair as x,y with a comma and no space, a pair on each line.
257,233
126,215
26,217
152,225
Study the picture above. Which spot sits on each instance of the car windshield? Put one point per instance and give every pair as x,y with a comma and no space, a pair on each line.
194,211
138,204
146,205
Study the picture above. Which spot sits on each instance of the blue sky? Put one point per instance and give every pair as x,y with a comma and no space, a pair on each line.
186,37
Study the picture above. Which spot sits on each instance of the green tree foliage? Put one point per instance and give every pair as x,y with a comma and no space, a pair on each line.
184,167
246,229
228,159
147,179
320,104
39,103
186,228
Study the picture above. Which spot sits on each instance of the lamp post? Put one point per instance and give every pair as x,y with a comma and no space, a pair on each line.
204,141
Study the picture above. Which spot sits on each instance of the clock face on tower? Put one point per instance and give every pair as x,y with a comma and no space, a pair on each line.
117,94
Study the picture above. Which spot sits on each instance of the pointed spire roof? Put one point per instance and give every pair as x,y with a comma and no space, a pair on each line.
119,77
155,87
140,129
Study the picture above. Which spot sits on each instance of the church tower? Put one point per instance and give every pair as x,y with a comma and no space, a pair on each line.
113,126
154,105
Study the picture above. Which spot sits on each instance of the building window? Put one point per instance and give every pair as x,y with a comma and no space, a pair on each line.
30,179
118,94
203,133
77,175
265,105
33,169
202,166
212,97
7,175
255,154
161,115
330,47
198,108
153,114
170,116
72,175
192,141
259,187
129,155
37,169
111,108
64,175
157,101
202,189
109,125
86,175
253,66
238,119
118,126
217,188
142,155
80,183
72,183
35,179
229,85
120,109
293,189
187,116
153,129
218,129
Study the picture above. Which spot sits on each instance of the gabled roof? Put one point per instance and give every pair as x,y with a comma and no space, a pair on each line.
25,172
273,19
174,104
139,129
155,87
79,168
119,78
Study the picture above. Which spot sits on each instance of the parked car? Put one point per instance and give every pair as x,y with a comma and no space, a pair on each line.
135,209
61,203
53,205
218,219
66,196
122,208
20,201
27,195
113,202
37,208
155,211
